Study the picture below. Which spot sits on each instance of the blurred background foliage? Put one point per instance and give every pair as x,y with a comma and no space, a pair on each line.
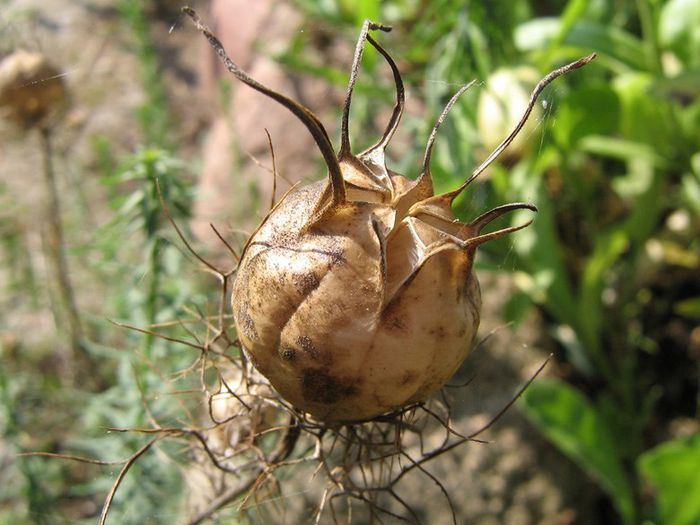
612,262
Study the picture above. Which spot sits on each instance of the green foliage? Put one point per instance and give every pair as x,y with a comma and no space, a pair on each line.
620,148
673,468
156,292
571,422
153,115
137,269
15,256
152,173
679,21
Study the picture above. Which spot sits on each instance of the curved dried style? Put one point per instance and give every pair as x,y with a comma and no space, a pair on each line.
367,26
318,132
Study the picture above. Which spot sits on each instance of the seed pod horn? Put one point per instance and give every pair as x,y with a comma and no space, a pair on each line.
368,25
366,172
437,209
315,127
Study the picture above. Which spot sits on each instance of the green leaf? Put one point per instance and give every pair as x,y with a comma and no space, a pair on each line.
642,221
607,249
516,308
573,12
540,34
592,110
640,108
685,84
367,10
627,150
690,185
688,308
690,190
131,202
679,29
572,423
673,469
576,353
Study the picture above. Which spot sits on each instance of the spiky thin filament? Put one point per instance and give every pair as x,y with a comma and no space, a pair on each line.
425,171
367,26
482,220
315,127
531,104
396,114
436,208
468,236
477,241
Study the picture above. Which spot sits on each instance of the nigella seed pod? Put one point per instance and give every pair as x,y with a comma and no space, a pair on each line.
32,91
356,295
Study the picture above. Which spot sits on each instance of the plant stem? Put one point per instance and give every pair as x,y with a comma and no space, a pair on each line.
154,270
651,45
54,247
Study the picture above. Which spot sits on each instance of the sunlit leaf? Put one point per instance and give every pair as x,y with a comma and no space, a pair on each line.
617,44
608,248
679,28
591,110
673,469
640,107
621,149
572,423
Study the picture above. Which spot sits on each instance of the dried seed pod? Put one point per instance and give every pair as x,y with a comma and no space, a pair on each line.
31,89
356,295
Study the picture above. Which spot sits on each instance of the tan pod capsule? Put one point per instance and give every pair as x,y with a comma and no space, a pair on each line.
31,89
356,295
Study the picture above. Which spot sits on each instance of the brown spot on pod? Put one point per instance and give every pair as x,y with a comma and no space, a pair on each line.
287,353
306,282
409,377
318,386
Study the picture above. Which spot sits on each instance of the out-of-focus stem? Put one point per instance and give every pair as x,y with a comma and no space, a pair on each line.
54,248
154,271
651,44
